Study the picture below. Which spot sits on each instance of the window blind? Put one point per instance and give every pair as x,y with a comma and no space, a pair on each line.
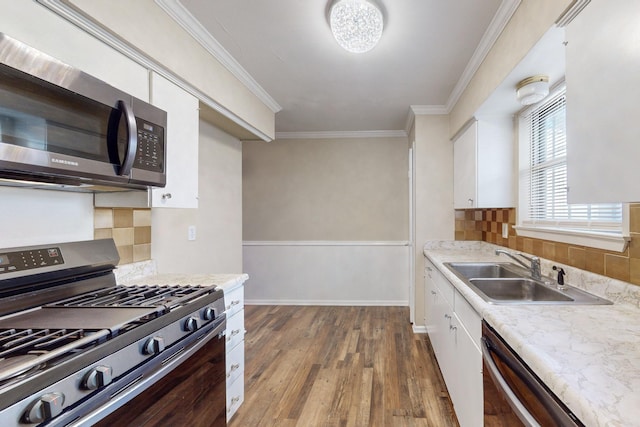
547,177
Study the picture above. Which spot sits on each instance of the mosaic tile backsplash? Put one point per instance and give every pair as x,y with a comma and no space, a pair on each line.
130,229
486,225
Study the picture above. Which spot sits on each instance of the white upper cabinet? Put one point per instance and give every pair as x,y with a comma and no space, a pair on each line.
62,40
483,165
182,134
603,130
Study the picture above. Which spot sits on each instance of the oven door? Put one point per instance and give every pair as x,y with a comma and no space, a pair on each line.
183,385
513,394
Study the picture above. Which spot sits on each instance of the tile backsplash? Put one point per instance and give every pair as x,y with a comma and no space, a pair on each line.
130,229
486,225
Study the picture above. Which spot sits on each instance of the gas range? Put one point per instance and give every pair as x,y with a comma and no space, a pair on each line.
76,346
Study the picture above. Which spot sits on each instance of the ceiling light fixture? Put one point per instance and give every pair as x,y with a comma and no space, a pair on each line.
356,24
532,89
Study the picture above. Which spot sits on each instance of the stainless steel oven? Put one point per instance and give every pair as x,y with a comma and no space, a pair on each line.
78,349
513,394
60,125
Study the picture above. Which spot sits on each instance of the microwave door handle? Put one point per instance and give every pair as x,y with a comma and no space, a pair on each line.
132,138
522,412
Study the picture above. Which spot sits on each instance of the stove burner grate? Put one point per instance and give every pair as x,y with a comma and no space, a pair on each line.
23,350
136,296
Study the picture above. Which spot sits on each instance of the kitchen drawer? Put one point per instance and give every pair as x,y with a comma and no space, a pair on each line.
235,363
234,301
446,288
469,318
235,397
235,330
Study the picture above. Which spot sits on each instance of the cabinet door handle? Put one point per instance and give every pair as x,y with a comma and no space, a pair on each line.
452,328
447,316
434,293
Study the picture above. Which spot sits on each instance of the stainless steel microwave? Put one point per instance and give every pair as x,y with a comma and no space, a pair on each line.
60,125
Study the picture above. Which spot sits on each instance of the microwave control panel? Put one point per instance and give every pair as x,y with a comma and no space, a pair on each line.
150,154
27,260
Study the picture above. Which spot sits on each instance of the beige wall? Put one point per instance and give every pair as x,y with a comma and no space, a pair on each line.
353,189
433,186
145,25
528,24
218,219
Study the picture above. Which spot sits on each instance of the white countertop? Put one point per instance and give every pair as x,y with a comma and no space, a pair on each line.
145,273
589,356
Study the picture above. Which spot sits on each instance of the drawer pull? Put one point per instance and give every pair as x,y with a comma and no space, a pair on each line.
234,400
234,302
232,334
234,367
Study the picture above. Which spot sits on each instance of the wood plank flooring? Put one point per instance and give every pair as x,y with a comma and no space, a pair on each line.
339,366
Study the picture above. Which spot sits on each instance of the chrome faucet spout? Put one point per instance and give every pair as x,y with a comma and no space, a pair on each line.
534,267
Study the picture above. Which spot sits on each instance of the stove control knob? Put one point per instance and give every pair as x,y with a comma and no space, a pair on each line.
46,407
208,313
98,377
154,345
191,324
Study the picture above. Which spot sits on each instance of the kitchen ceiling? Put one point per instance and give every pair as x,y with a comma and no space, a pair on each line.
285,52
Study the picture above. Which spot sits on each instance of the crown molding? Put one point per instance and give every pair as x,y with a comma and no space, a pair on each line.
501,18
571,12
191,25
343,134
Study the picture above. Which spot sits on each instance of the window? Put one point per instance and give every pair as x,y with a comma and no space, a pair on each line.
544,211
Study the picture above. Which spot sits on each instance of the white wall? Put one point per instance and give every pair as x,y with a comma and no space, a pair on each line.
433,182
218,219
326,221
32,217
325,273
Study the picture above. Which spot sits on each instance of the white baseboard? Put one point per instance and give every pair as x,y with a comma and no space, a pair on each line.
327,302
419,329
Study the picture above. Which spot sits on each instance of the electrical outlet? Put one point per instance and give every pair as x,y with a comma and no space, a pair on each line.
505,230
191,232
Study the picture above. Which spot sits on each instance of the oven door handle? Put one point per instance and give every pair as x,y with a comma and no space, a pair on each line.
520,410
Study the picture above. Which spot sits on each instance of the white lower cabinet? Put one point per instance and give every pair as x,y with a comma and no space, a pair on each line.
454,329
234,337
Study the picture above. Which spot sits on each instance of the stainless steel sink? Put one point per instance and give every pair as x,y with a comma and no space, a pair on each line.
522,290
472,270
507,283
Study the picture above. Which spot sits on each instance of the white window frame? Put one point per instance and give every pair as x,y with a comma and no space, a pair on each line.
564,232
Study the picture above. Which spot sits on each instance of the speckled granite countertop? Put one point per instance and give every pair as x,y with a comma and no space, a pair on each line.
144,273
589,356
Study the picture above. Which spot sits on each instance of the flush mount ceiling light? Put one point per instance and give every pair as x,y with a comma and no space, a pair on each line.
356,24
532,89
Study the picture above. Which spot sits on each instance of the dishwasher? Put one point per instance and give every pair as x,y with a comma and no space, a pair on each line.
513,394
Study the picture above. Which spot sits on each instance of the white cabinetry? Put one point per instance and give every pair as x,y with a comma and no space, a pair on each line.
602,72
234,336
182,135
455,331
483,165
37,26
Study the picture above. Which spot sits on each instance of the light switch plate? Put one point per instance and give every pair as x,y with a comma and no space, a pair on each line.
505,230
191,232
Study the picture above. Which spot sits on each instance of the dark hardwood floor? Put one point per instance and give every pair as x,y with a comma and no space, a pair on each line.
339,366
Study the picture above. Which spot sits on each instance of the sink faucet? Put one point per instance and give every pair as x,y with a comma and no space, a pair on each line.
534,267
